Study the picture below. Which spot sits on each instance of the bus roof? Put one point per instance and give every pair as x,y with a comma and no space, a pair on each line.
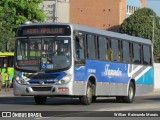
111,34
4,54
98,31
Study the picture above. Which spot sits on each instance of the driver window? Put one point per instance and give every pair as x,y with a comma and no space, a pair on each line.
47,50
35,48
79,48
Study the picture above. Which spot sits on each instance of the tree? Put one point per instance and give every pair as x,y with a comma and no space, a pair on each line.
12,14
140,24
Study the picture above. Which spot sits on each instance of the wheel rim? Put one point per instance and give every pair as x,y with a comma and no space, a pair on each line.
89,94
131,93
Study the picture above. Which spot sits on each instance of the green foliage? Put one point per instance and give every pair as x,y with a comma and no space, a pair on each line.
12,14
140,24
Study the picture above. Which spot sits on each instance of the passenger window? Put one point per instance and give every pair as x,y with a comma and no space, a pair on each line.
136,53
146,55
103,48
10,61
91,48
115,50
125,51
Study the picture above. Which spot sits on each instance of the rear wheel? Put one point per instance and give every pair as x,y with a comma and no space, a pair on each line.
94,99
131,94
40,100
87,99
119,99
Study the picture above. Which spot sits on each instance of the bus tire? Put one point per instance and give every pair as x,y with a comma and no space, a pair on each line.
94,99
119,99
131,94
40,100
87,99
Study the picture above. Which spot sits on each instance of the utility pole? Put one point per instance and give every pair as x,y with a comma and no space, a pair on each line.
55,15
153,24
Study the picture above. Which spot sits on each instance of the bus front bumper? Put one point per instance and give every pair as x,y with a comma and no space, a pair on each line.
45,90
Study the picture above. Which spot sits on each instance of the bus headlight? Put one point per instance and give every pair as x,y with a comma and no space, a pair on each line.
65,79
20,80
17,78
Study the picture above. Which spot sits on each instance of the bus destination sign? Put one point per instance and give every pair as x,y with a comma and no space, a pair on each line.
39,31
44,30
28,62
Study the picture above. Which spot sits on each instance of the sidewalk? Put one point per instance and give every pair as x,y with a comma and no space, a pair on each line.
155,92
6,94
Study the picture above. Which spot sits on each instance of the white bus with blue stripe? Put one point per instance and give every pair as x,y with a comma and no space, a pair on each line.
70,60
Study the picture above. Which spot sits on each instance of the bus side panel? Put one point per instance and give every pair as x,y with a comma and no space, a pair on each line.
111,78
145,81
80,80
143,76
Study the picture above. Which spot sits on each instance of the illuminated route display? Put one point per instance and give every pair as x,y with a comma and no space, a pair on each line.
28,62
39,30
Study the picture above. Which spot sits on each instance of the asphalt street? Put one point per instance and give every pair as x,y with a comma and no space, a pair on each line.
72,107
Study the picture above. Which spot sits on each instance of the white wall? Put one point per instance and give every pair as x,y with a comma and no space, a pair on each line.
156,75
48,6
62,11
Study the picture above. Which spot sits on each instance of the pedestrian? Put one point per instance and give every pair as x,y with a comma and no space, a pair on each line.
0,81
6,81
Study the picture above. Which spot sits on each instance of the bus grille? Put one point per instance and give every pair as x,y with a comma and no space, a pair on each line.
41,88
44,76
46,83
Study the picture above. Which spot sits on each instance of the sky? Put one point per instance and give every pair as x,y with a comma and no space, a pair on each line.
154,5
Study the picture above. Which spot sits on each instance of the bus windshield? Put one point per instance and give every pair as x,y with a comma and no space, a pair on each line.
43,54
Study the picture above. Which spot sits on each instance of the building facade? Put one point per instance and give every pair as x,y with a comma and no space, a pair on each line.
133,5
103,14
63,11
49,7
56,10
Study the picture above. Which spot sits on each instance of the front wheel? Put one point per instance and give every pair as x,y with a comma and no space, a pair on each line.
87,99
40,100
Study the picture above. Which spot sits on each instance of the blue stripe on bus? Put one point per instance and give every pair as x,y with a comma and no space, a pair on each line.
109,72
147,78
104,71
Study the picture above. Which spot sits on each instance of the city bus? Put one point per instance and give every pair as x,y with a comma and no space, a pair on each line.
72,60
6,64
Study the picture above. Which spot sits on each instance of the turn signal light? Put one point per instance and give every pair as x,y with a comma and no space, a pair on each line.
63,89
